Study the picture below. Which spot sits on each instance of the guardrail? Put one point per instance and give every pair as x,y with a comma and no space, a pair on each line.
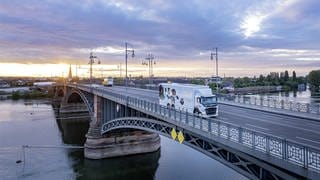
273,103
288,150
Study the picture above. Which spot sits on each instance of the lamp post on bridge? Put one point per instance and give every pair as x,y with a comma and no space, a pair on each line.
216,57
150,62
132,55
92,60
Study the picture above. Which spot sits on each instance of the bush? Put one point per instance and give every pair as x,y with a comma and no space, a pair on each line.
16,95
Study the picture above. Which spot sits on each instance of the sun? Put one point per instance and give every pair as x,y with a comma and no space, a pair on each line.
251,24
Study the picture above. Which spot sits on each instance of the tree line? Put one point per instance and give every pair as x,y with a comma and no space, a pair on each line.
314,80
288,82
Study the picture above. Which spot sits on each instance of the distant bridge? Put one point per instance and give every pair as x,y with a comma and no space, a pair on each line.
258,144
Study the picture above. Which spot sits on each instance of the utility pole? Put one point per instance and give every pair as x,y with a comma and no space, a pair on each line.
211,57
132,55
120,70
92,60
150,62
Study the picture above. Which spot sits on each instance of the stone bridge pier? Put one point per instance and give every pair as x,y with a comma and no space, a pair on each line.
116,143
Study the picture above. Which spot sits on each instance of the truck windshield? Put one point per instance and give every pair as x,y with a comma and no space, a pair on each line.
208,100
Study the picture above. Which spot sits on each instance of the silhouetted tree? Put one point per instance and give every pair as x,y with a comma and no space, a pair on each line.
286,75
294,76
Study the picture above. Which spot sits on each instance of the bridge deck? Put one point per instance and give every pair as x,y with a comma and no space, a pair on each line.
294,128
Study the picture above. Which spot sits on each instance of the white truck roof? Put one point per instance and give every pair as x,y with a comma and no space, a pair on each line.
194,86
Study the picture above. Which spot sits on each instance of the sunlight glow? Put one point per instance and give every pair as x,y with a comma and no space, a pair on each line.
251,24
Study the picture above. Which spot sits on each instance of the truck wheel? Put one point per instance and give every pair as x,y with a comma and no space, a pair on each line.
172,106
168,105
196,111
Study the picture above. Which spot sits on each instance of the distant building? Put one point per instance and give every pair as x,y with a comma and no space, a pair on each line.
20,83
70,74
228,86
215,80
4,84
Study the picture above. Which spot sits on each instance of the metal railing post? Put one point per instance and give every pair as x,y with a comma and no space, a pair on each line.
187,121
209,125
175,114
267,144
253,140
193,121
306,162
240,135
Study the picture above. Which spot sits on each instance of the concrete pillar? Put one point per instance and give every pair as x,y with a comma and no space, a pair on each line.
98,113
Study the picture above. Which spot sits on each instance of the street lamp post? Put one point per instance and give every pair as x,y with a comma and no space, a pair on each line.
132,55
92,60
150,62
211,57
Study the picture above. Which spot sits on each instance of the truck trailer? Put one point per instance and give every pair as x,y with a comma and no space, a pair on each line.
189,97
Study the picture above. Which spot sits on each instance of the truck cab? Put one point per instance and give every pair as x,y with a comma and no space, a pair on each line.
206,106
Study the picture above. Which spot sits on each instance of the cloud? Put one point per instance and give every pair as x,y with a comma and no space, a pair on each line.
257,33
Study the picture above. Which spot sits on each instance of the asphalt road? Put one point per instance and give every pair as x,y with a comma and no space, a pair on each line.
297,129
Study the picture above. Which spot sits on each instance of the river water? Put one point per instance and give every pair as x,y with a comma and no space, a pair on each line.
34,123
296,96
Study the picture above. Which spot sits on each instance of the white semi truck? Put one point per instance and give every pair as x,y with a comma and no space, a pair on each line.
189,97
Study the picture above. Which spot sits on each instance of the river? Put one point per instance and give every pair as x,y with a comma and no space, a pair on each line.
296,96
34,123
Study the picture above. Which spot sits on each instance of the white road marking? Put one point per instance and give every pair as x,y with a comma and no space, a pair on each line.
266,129
307,139
223,118
311,124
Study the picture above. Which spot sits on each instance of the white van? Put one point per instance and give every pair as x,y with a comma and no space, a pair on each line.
108,81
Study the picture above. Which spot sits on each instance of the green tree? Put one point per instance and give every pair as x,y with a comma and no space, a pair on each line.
16,95
286,75
314,78
294,76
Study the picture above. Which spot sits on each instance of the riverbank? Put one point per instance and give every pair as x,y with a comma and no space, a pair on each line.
258,89
24,93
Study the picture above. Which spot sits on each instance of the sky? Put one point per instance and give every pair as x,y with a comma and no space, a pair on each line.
42,37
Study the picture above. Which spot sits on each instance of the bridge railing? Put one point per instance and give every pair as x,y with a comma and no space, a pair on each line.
273,103
288,150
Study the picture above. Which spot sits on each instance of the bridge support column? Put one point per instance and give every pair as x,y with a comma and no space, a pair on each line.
120,143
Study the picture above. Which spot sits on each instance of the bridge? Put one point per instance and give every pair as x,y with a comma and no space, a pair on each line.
250,137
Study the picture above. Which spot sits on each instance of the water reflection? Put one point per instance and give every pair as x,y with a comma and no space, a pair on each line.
296,96
73,130
142,166
36,124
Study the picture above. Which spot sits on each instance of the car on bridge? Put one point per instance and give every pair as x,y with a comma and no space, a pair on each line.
108,81
189,97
